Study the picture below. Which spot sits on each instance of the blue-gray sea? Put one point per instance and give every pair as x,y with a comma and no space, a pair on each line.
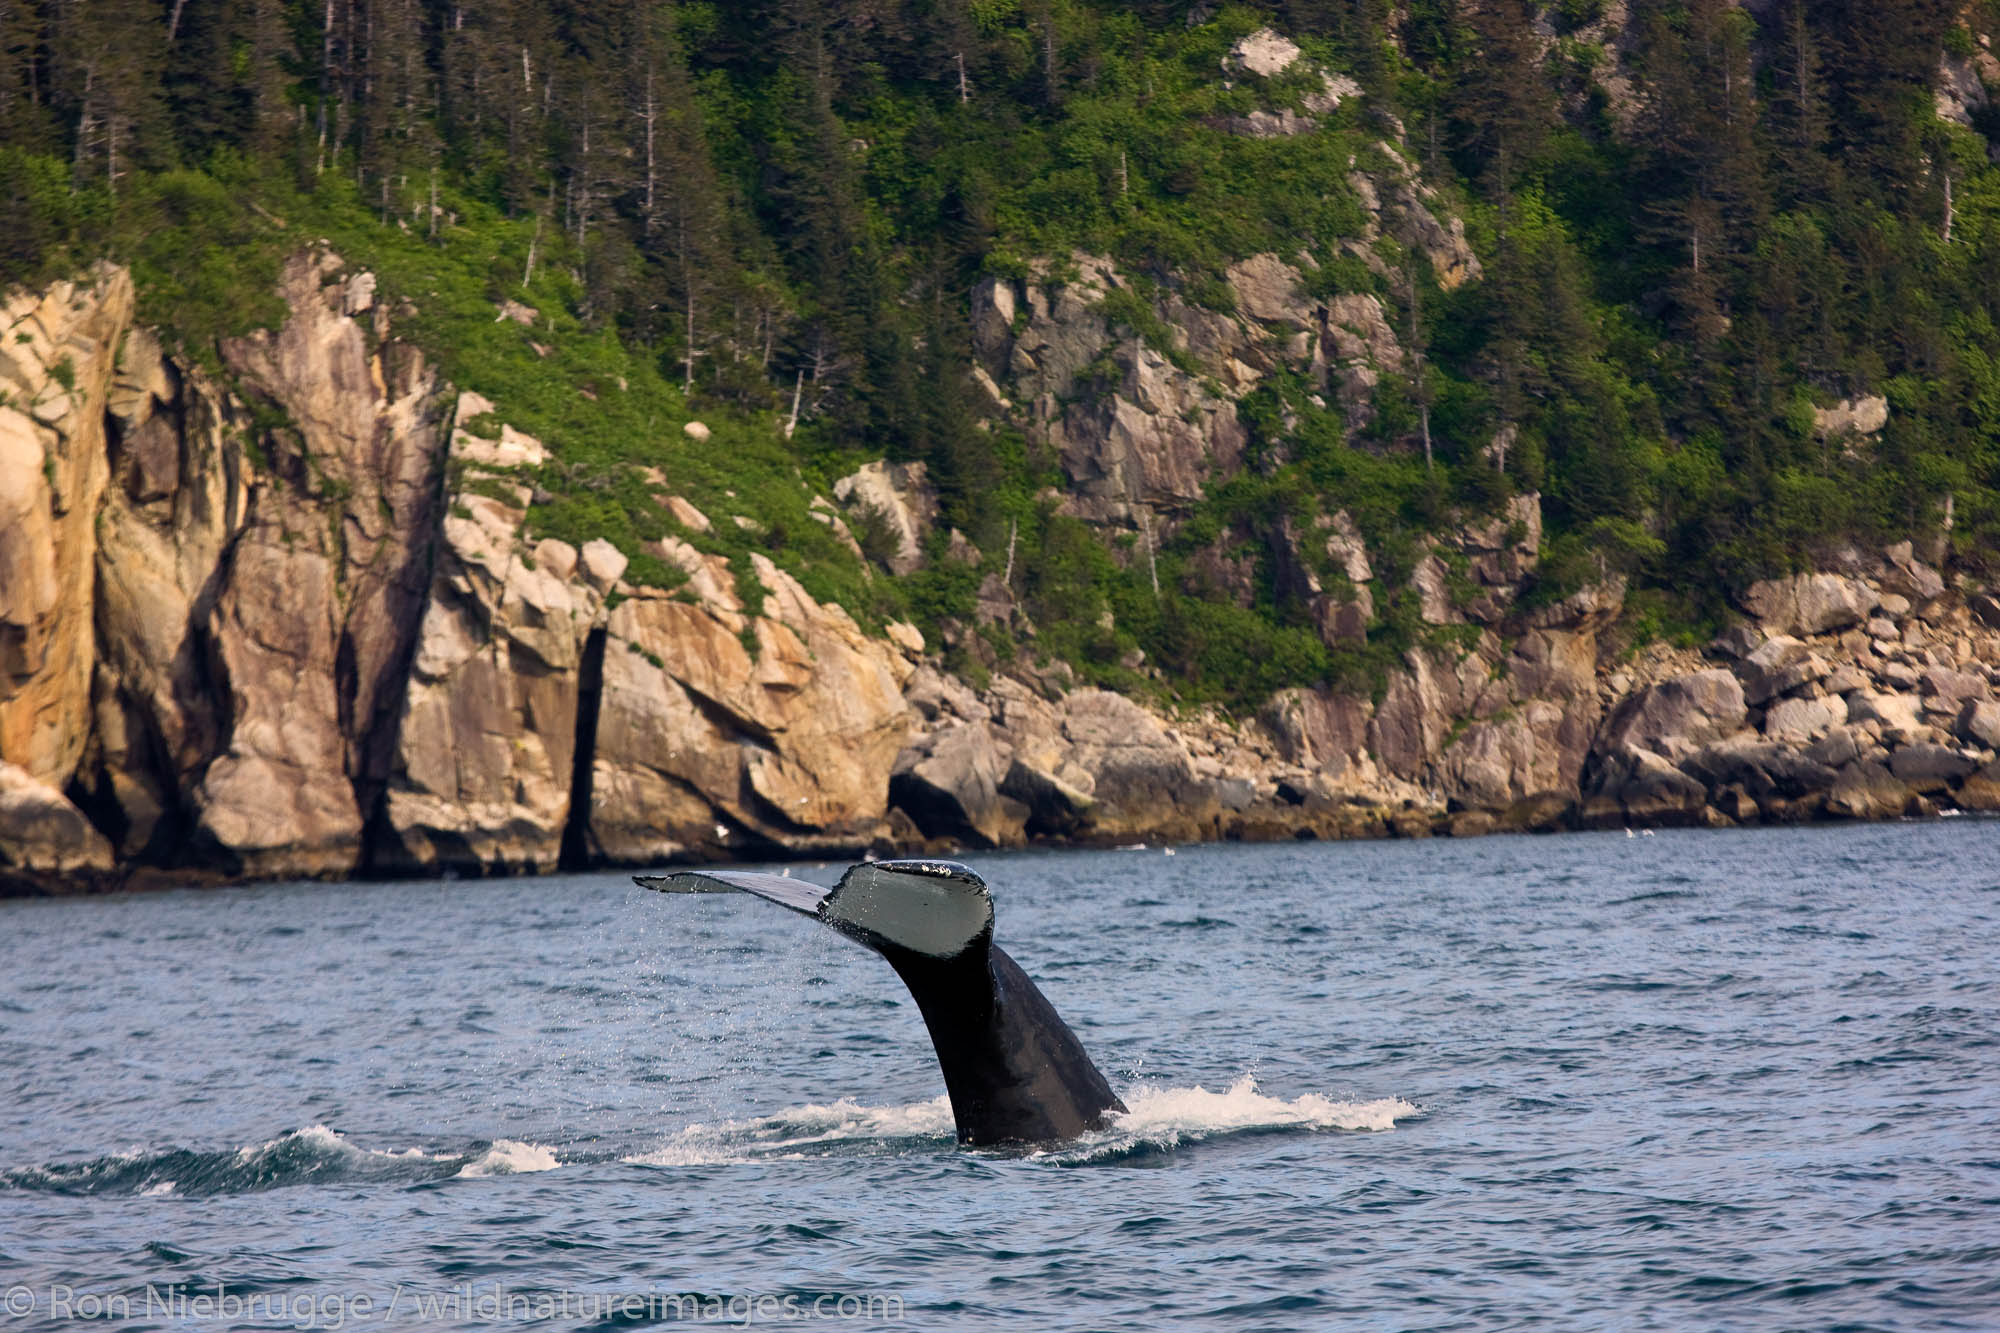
1734,1080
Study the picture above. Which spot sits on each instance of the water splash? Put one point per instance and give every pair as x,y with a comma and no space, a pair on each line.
313,1154
1160,1119
511,1157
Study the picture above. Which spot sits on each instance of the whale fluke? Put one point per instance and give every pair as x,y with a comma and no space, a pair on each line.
1014,1070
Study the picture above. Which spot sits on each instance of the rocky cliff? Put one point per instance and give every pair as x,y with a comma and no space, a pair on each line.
285,614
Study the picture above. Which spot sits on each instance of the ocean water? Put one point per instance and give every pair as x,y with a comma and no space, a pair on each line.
1736,1080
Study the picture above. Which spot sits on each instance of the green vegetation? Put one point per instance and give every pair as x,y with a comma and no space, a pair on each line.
718,211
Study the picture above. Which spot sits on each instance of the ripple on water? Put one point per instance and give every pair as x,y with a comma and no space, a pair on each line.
1738,1080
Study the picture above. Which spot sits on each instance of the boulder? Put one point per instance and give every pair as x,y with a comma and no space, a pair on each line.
1763,768
1142,779
1679,715
703,747
1738,641
1809,603
1636,786
1868,790
1801,721
936,695
1268,290
1981,791
1979,722
1318,729
1264,53
1056,807
1537,748
1931,768
1898,717
1590,607
1541,812
949,784
602,564
1780,665
1947,691
1911,576
42,833
1852,416
1843,745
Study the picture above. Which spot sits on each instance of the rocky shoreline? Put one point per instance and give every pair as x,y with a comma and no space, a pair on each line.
292,622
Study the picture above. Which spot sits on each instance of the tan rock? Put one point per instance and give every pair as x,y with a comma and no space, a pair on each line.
1928,767
900,494
1677,716
279,798
1779,666
1801,721
1867,790
1979,722
602,563
58,356
558,558
949,784
1852,416
1809,603
1910,576
1264,53
794,747
1981,791
687,515
40,831
1898,716
1267,289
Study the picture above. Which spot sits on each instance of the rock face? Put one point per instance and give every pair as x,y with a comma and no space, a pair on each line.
248,580
705,748
898,496
486,747
1140,429
245,628
57,361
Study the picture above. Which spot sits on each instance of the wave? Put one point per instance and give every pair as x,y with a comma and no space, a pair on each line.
1160,1119
312,1155
839,1127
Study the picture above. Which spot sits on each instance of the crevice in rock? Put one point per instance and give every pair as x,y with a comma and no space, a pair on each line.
579,845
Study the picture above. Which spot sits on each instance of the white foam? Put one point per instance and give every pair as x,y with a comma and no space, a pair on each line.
313,1136
1160,1117
511,1157
1243,1107
782,1135
1165,1118
155,1191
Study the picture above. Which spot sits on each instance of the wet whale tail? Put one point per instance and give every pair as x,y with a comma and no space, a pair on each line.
1014,1070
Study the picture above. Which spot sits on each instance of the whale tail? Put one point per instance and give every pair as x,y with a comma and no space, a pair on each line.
1014,1070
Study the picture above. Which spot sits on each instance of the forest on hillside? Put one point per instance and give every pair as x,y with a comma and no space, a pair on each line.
775,211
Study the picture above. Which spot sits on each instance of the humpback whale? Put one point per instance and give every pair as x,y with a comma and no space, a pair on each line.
1014,1070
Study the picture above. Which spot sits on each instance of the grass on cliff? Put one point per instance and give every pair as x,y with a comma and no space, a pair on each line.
206,260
